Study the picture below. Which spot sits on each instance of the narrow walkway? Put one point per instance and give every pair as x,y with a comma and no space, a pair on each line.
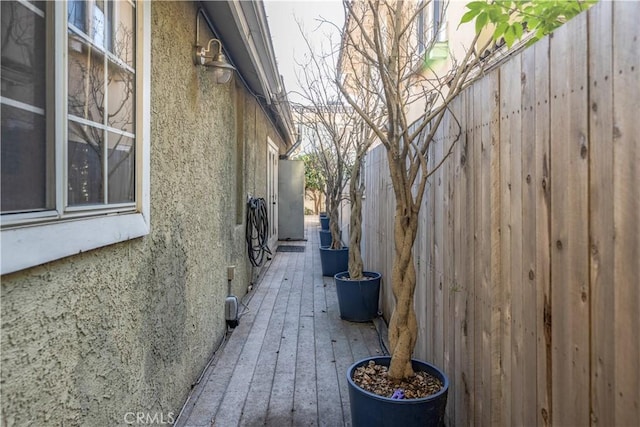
286,363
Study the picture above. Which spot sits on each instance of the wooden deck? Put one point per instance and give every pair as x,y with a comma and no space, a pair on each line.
285,364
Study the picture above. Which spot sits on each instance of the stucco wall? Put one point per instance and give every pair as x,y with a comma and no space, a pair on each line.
129,327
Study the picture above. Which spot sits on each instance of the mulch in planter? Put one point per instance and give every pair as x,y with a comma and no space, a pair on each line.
374,378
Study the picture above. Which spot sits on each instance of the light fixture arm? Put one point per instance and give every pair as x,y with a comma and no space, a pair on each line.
202,52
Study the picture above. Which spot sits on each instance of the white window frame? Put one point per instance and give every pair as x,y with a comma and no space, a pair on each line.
421,28
34,243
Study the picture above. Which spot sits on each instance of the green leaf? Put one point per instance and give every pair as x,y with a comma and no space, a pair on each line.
517,27
500,29
532,23
477,5
495,15
469,16
509,36
481,21
505,4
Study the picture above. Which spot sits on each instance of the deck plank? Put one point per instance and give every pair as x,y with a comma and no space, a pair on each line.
256,406
305,410
281,404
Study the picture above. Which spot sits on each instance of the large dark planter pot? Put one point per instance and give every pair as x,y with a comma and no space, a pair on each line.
358,299
333,260
325,237
370,410
324,222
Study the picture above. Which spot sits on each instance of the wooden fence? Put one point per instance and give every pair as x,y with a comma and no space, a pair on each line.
528,252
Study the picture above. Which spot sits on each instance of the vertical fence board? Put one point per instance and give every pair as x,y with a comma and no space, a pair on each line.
385,227
569,224
528,235
461,271
429,257
421,263
470,326
492,277
389,232
626,166
490,267
422,274
482,405
601,214
512,364
451,130
443,232
543,228
438,309
431,253
508,128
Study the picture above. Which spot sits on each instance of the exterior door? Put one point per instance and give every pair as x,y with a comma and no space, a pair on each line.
272,192
291,200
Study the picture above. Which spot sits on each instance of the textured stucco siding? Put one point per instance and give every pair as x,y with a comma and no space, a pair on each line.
129,327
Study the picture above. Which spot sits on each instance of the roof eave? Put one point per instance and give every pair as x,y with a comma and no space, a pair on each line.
244,31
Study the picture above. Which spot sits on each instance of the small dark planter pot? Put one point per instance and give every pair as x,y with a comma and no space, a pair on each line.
324,222
358,299
333,260
325,237
370,410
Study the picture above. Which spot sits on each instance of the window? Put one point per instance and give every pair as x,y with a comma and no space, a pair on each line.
439,24
437,17
74,146
420,30
437,30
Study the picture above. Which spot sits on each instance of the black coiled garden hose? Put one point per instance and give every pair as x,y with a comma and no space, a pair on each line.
257,231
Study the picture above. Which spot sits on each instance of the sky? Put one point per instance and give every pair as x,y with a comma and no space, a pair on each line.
287,40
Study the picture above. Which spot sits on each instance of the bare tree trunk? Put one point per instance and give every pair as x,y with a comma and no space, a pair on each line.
321,202
334,227
403,327
355,225
355,236
313,195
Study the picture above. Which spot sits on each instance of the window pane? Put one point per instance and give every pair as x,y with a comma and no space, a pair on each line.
23,145
124,34
85,164
24,161
99,25
86,80
76,14
437,12
121,168
23,54
121,98
110,25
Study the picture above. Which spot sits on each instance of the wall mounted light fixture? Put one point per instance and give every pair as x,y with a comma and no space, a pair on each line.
222,70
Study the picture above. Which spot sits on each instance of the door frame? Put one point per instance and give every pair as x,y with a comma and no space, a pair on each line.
272,191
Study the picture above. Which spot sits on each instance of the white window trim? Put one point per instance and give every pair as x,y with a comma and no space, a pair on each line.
36,244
